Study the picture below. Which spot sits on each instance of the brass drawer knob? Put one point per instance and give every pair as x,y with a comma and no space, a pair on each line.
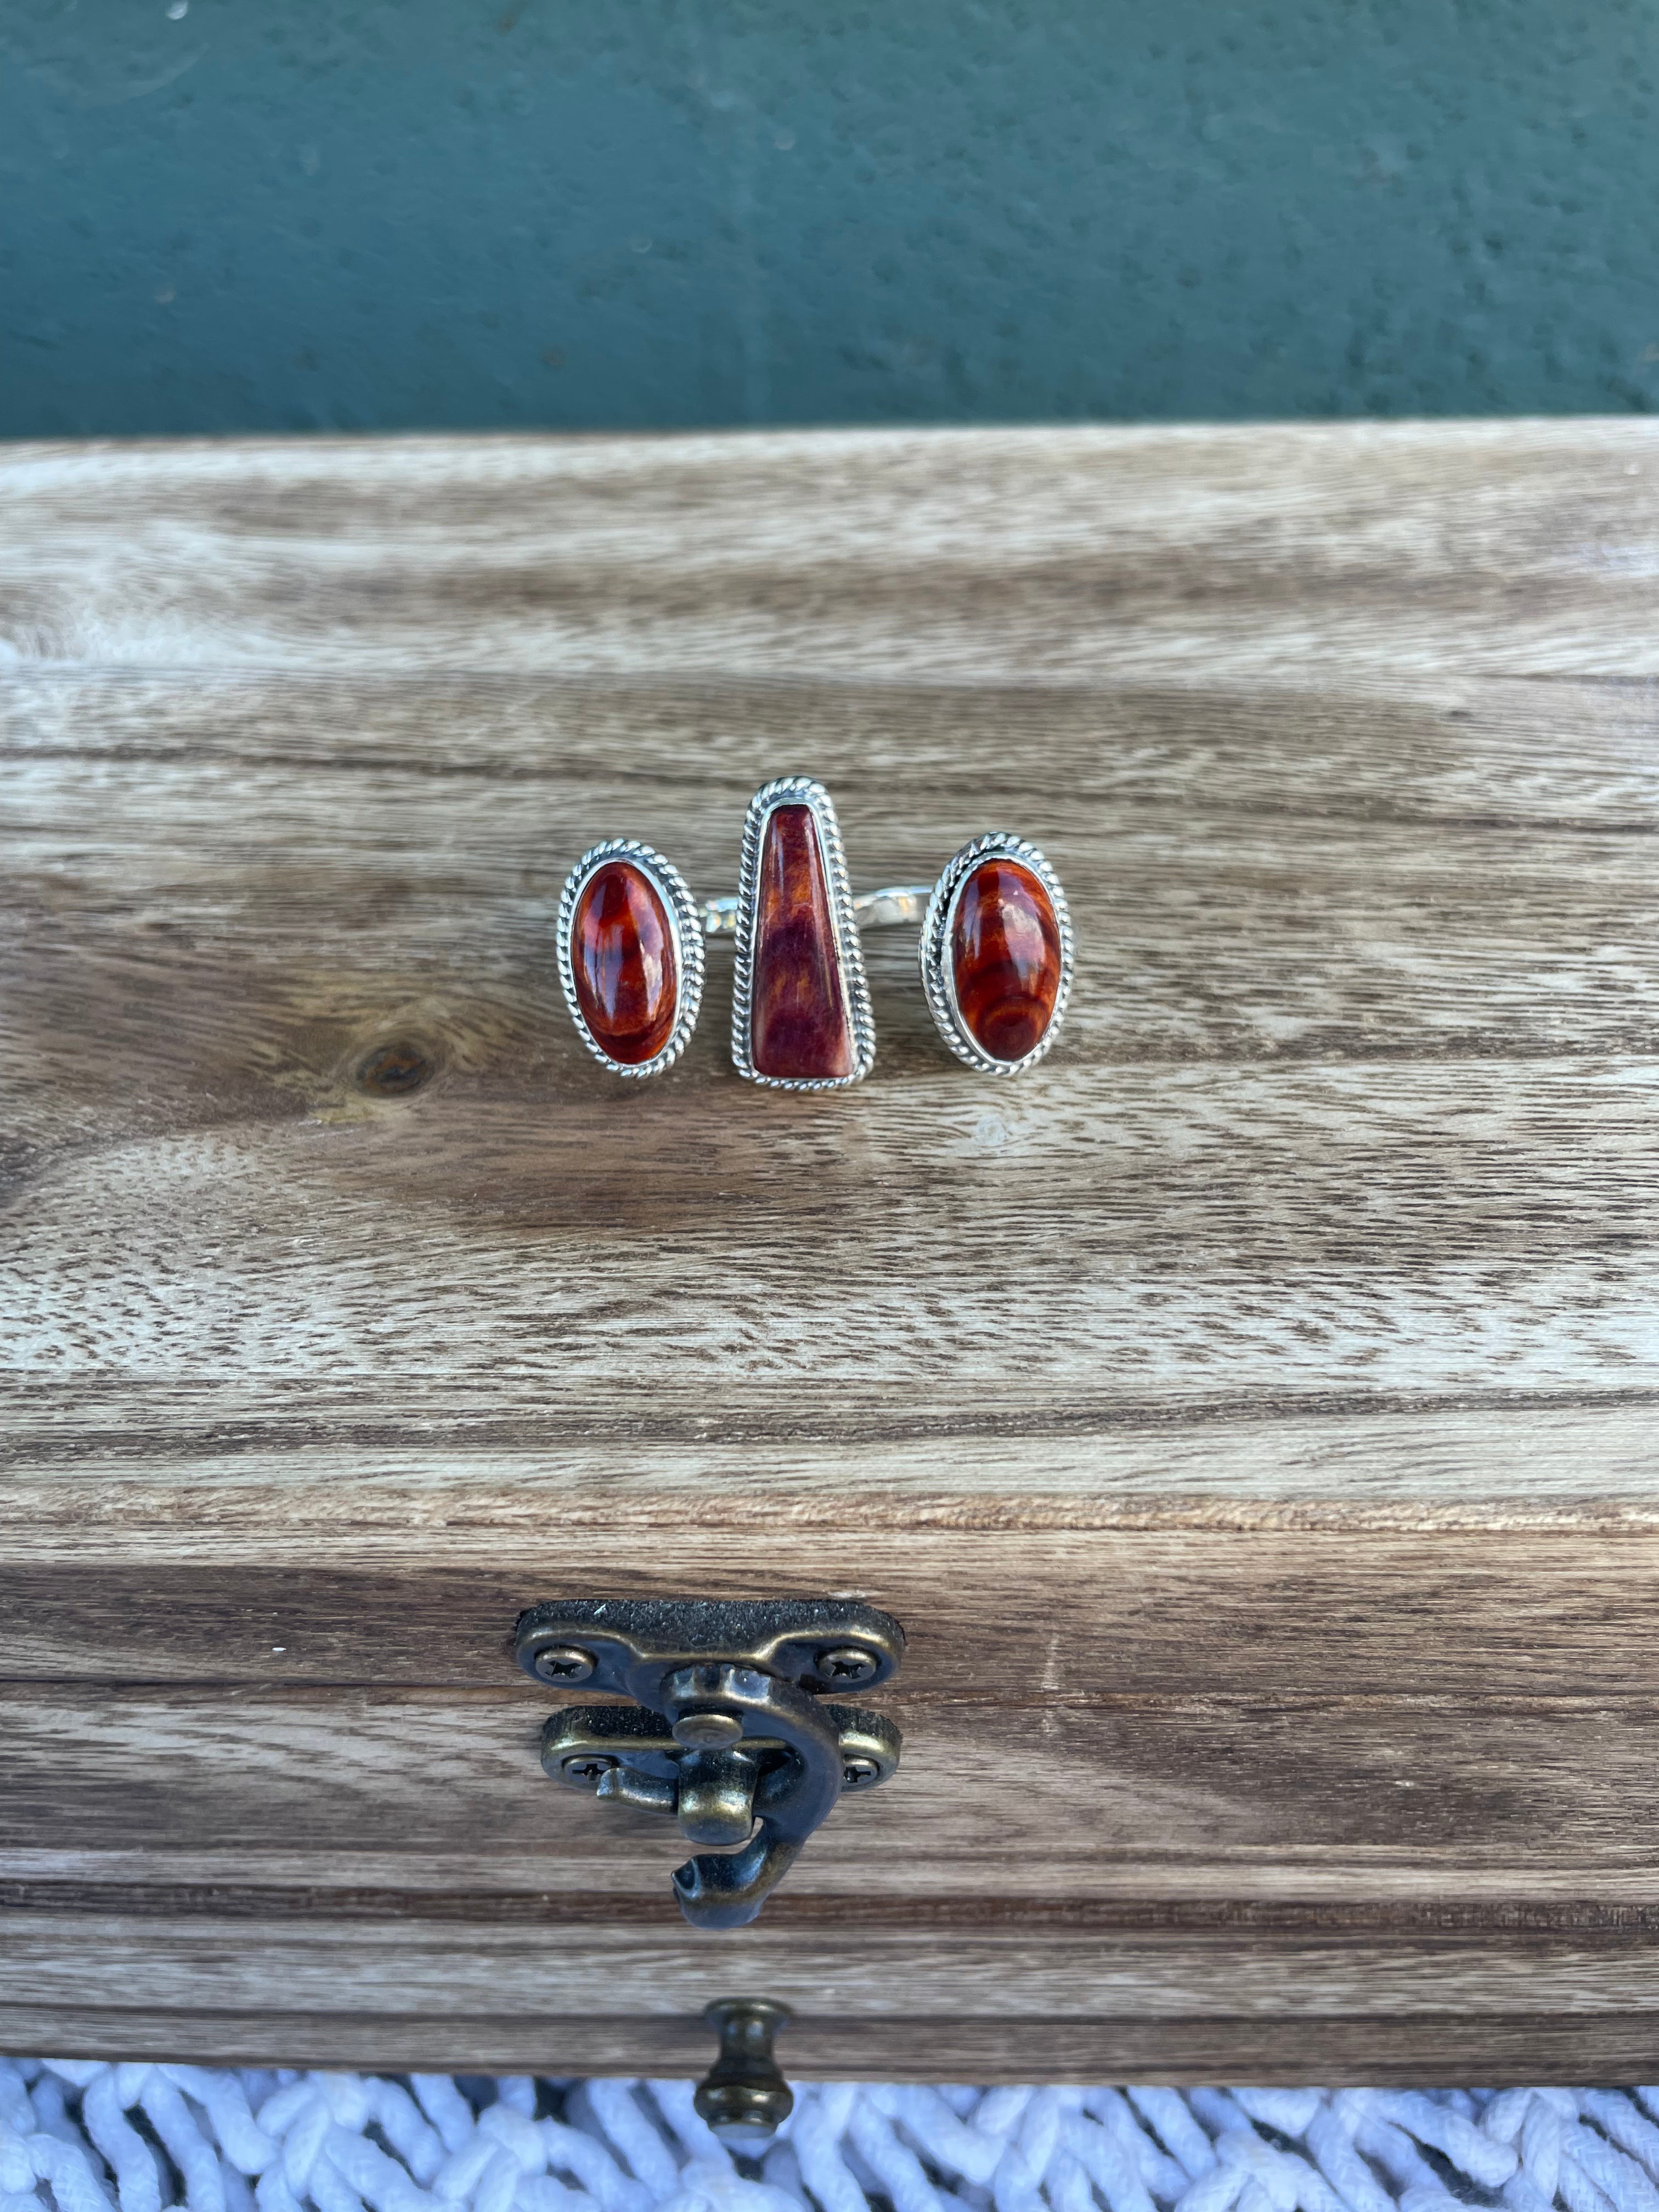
744,2097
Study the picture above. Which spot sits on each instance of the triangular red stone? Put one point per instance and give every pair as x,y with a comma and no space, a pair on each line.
798,1024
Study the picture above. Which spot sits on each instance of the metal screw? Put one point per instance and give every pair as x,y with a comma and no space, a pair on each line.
846,1664
588,1769
857,1772
563,1663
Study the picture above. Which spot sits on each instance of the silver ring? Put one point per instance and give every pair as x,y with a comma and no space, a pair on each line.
997,954
996,949
630,956
893,908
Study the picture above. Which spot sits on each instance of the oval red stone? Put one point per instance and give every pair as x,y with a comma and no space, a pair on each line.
621,957
1005,951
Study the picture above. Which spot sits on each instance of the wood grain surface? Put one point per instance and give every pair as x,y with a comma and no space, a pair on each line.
1251,1413
1401,1806
987,2046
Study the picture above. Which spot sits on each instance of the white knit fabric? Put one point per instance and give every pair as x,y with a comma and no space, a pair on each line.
81,2136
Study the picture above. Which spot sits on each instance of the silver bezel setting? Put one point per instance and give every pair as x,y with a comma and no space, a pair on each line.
684,928
938,970
800,791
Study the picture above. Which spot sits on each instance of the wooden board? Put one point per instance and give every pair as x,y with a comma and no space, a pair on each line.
1405,1806
1251,1414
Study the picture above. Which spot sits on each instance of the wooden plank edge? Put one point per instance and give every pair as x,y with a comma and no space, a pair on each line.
1427,2050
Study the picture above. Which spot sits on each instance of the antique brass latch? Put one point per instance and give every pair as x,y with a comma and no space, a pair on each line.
728,1732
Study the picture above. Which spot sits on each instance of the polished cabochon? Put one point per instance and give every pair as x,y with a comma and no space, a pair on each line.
801,1018
997,954
631,957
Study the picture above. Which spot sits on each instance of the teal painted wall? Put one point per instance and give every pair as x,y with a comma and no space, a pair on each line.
228,214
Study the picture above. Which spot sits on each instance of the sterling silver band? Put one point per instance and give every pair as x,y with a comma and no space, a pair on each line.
891,909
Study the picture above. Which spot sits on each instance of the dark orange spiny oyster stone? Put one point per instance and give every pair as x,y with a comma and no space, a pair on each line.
798,1024
621,953
1005,952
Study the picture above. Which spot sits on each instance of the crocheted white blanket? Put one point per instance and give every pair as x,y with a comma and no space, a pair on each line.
80,2136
